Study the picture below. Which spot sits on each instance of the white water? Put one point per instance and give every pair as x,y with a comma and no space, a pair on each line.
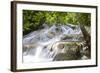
43,38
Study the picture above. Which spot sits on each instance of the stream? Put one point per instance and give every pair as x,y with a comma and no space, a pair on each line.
44,45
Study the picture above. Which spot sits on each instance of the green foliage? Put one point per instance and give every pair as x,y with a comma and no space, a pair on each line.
84,19
33,20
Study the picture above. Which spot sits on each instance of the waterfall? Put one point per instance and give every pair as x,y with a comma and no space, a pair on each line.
38,51
42,38
66,30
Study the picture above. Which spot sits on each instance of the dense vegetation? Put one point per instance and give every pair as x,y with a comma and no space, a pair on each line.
33,20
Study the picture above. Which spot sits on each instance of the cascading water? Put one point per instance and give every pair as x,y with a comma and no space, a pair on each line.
37,42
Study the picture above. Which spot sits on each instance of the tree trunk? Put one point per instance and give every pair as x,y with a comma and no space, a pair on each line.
87,38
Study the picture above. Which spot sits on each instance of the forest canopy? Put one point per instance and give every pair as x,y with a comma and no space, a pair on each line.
33,20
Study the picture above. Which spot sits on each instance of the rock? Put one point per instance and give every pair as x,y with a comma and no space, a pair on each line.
50,34
71,51
72,37
60,46
70,55
66,37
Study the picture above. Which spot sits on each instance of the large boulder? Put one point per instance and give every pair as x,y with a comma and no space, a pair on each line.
71,51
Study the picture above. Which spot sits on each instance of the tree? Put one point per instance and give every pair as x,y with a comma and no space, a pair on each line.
33,20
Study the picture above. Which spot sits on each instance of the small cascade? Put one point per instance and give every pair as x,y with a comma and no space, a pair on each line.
39,40
67,30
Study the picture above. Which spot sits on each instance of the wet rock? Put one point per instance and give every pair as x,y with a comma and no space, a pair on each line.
71,51
70,55
66,37
73,37
60,46
50,34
